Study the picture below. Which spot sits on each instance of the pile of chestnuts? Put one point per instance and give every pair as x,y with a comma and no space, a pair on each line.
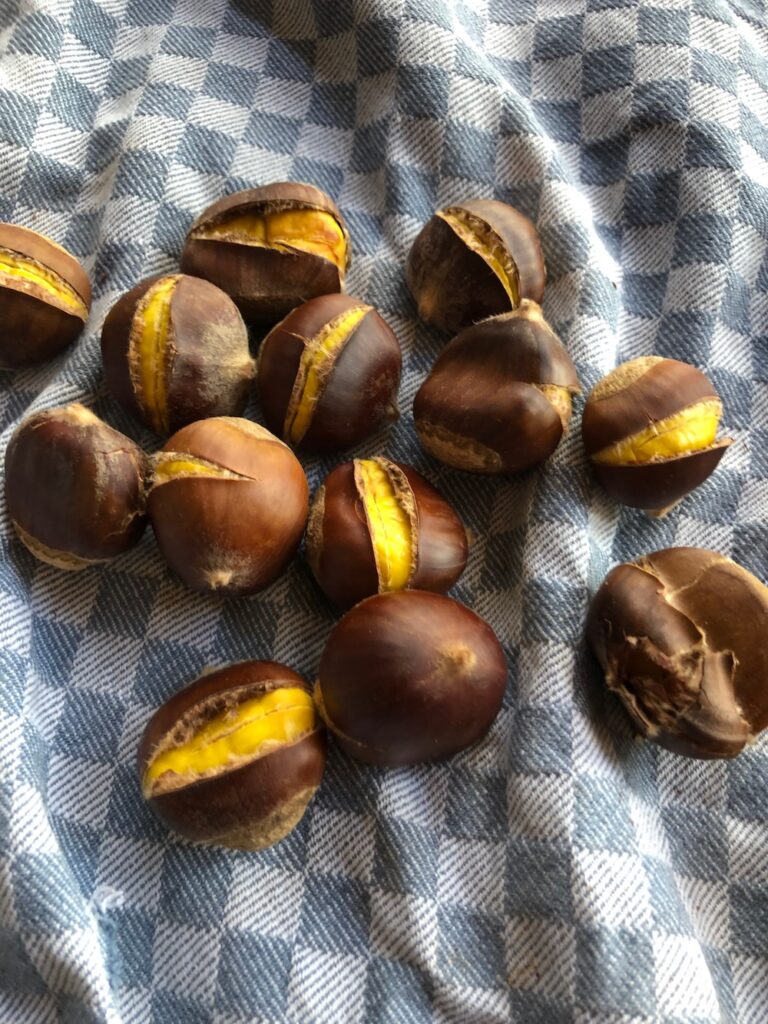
408,674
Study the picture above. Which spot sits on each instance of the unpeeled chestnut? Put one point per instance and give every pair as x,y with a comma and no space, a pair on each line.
328,374
74,487
175,350
410,676
228,504
680,635
45,297
270,248
234,758
474,260
377,526
498,399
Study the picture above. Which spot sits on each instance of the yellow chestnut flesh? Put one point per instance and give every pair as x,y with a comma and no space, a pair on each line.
313,231
316,360
15,267
481,239
152,348
562,400
690,430
169,466
234,737
389,524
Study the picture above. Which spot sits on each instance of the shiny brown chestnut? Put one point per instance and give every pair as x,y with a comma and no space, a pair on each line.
410,676
680,636
74,487
328,374
46,297
649,429
498,399
270,248
473,260
228,503
234,758
175,350
377,526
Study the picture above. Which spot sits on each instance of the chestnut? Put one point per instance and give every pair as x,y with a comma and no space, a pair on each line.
680,635
270,248
410,676
74,487
498,399
175,350
228,503
234,758
328,374
473,260
46,297
649,430
376,526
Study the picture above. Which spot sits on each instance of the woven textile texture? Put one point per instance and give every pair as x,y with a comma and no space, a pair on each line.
561,870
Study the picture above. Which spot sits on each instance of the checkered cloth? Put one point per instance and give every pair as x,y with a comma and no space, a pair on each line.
561,870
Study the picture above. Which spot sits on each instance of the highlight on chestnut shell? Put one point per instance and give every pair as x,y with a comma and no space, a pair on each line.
235,757
499,397
410,676
228,503
74,488
679,635
473,260
270,248
328,374
650,431
378,526
175,350
46,297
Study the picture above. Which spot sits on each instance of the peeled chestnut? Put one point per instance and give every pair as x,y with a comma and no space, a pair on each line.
270,248
649,429
376,526
234,758
410,676
498,399
175,350
473,260
74,487
680,635
228,503
328,374
45,295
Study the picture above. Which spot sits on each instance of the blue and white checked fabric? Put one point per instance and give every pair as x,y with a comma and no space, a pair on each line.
561,871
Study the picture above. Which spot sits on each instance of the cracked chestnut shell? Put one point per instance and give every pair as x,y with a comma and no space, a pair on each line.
45,295
410,676
680,637
328,374
270,248
74,487
649,428
234,758
498,399
228,503
175,350
473,260
377,526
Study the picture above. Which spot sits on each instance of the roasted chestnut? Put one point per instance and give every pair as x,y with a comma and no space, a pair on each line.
649,429
410,676
270,248
376,526
45,295
175,350
328,374
680,635
74,487
498,399
234,758
228,503
473,260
